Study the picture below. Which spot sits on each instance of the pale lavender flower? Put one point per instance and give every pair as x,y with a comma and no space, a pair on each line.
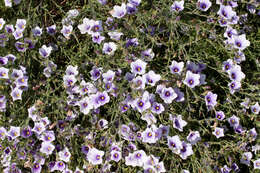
47,136
102,2
135,2
45,51
85,27
139,82
255,108
4,73
177,6
147,54
20,46
191,79
246,157
14,132
102,124
157,108
115,155
3,60
239,57
108,76
20,24
174,143
94,156
226,12
51,29
3,133
16,94
66,31
180,95
211,100
9,29
115,35
119,11
60,166
37,31
132,42
233,121
36,168
149,118
220,115
225,169
109,48
148,136
18,34
139,157
96,26
203,5
230,32
168,95
193,137
227,65
236,74
47,148
256,164
26,132
87,88
138,67
142,104
2,23
131,9
234,86
8,3
232,3
186,150
85,105
32,111
97,38
152,78
95,73
72,70
176,67
218,132
69,80
178,122
252,133
38,128
240,42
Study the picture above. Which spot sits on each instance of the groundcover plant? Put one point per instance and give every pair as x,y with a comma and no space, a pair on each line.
129,86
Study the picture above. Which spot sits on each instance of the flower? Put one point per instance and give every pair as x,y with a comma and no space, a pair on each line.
100,99
18,34
152,78
37,31
66,31
177,6
69,80
230,32
234,86
203,5
96,26
45,51
26,132
218,132
220,115
255,108
115,155
176,67
85,27
227,65
235,73
233,121
142,104
157,108
119,11
115,35
109,48
139,82
131,9
72,70
240,42
20,24
174,143
186,150
193,137
135,2
47,148
97,38
38,128
191,79
148,136
246,157
256,164
94,156
3,133
226,12
147,54
4,73
178,122
36,168
211,100
47,136
108,76
51,29
14,132
95,73
149,118
168,95
16,94
85,105
138,67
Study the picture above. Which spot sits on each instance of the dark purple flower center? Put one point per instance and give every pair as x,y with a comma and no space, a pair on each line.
36,166
102,98
191,81
98,157
141,103
138,69
115,155
175,69
203,5
167,93
138,155
238,44
232,85
177,123
157,107
184,149
149,134
109,49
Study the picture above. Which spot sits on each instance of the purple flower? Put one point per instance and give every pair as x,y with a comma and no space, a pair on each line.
60,166
115,35
235,73
225,169
26,132
3,133
218,132
240,42
230,32
149,118
115,155
20,24
66,31
47,148
226,12
94,156
45,51
97,38
20,46
193,137
138,67
100,99
148,136
9,28
69,80
85,27
72,70
47,136
142,104
16,94
176,67
255,108
186,150
18,34
239,57
178,122
191,79
203,5
233,121
152,78
227,65
51,29
252,133
36,168
135,2
234,86
119,11
4,73
108,76
2,23
95,73
132,42
174,143
109,48
157,108
96,26
180,95
220,115
147,54
177,6
168,95
256,164
38,128
37,31
246,157
131,9
14,132
85,105
211,100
